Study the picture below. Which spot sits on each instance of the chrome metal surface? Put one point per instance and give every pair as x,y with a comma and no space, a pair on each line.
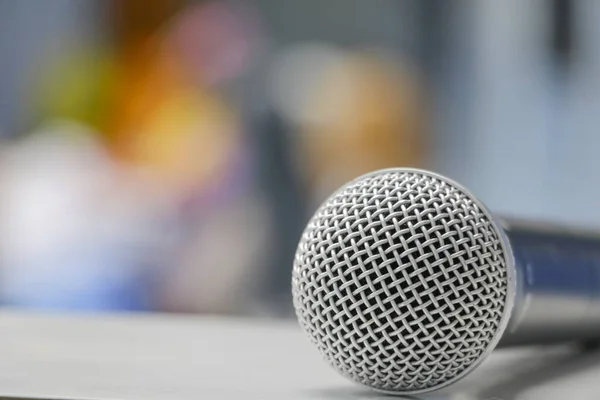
403,281
558,291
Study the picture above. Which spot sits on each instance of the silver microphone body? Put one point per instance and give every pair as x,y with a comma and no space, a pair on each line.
406,282
557,295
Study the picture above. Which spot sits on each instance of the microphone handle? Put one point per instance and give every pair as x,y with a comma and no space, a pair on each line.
558,284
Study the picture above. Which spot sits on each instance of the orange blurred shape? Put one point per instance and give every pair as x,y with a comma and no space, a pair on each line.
366,115
168,117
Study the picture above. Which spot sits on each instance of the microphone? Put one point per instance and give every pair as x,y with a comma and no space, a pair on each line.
405,282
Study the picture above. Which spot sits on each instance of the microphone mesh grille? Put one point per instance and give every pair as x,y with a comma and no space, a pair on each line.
400,280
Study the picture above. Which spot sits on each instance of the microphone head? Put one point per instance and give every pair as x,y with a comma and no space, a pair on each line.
403,281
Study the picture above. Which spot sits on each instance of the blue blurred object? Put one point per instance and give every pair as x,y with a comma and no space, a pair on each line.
98,277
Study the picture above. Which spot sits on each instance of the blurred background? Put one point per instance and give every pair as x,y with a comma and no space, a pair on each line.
165,155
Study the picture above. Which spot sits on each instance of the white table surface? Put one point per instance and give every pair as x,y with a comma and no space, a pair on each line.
146,357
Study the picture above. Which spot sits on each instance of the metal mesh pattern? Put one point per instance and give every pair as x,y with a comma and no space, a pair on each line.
400,280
